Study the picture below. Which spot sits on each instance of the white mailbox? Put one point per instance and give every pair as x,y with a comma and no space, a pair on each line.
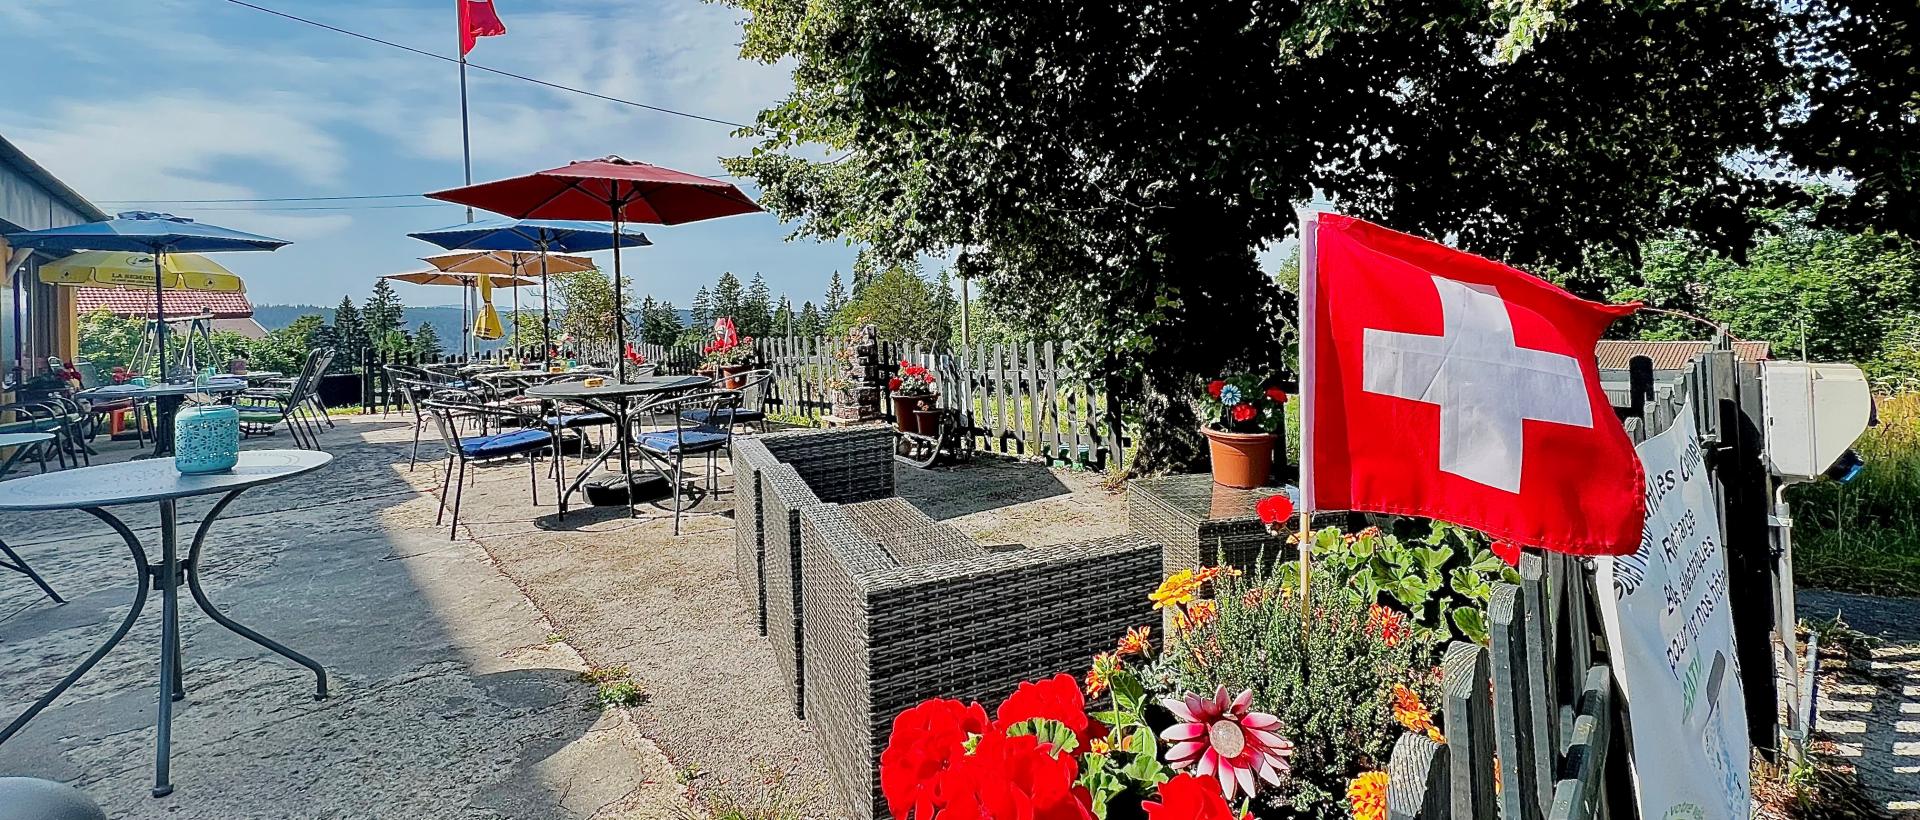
1814,412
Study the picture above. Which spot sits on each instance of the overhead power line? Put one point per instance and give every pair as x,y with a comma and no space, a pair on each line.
478,67
332,207
243,199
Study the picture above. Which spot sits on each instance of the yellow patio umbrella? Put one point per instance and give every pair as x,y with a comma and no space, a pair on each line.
499,265
467,282
134,271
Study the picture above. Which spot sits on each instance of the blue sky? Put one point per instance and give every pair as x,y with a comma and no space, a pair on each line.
203,99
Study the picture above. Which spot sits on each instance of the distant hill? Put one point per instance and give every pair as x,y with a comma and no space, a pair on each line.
446,319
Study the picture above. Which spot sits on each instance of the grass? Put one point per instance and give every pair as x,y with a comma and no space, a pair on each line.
1864,536
615,688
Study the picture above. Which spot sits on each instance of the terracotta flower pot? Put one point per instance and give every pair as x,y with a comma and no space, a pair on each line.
927,421
904,418
1240,460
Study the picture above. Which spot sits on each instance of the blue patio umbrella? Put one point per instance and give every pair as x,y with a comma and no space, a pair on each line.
540,235
157,234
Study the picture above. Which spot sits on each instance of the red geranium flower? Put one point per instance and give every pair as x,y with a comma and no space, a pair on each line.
1274,509
1508,552
1186,797
927,741
1242,412
893,384
1279,396
1057,698
1214,387
1013,778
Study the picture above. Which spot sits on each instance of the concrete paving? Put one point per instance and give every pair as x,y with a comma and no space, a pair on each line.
450,698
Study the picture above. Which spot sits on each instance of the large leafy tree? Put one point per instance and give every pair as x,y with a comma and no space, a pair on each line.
1859,111
384,314
1108,170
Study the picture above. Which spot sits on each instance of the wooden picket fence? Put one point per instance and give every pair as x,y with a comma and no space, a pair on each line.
1555,720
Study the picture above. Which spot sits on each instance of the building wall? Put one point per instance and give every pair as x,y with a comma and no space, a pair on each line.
29,201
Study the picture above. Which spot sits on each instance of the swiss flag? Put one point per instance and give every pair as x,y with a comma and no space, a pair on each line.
1444,385
477,20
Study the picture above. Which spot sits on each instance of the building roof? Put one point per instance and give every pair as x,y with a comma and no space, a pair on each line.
177,303
59,190
1616,355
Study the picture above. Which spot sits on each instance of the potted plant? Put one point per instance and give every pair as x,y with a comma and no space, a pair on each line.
726,354
912,390
1241,416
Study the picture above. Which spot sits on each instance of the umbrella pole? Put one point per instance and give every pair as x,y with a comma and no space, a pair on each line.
546,340
619,306
516,315
160,312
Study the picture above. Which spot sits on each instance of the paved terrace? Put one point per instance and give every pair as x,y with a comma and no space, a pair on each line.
455,664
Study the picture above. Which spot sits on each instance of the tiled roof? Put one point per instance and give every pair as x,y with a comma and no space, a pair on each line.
178,303
1615,355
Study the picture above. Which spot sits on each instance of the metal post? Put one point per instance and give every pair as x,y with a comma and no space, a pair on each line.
169,644
546,317
160,312
619,305
966,320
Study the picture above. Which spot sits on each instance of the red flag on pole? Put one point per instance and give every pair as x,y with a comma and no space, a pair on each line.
477,20
1444,385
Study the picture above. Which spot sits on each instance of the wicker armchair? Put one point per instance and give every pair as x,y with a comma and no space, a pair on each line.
880,635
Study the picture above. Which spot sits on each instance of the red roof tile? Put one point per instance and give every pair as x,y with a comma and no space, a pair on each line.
1616,354
177,303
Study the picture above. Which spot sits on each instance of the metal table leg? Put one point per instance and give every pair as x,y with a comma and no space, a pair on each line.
17,564
192,567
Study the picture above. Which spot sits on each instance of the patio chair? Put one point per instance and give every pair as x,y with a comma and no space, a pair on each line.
689,438
101,410
752,409
260,410
415,393
447,412
48,416
313,390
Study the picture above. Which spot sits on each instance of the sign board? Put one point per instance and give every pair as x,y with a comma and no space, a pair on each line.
1666,616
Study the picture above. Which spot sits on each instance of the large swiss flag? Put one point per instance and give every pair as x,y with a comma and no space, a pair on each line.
1444,385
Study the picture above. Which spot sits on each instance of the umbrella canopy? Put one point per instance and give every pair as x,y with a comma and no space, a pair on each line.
119,269
619,189
465,280
623,190
155,233
538,235
505,263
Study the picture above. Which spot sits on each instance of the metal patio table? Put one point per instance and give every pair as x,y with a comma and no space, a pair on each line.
92,489
615,400
21,442
166,399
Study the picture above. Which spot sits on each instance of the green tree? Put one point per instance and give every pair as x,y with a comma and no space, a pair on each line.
702,308
756,309
659,322
836,294
383,314
946,308
898,304
727,297
1172,141
426,342
784,321
810,324
286,349
349,332
587,309
108,340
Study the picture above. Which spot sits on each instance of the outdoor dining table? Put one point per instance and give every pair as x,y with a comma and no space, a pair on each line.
615,400
166,399
92,489
258,376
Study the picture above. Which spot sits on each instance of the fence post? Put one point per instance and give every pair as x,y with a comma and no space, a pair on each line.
1469,725
1417,788
366,380
1577,796
1522,797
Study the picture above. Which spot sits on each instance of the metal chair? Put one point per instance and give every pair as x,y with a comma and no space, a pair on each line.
753,398
260,410
689,438
448,409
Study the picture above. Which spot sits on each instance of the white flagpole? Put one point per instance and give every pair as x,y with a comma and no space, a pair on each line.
1309,221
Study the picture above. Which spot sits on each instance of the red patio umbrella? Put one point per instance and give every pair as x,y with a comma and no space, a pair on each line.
625,190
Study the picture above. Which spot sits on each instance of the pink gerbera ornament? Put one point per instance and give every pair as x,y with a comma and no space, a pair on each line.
1224,739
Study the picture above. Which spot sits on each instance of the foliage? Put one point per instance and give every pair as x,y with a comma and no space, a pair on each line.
109,341
728,298
349,332
383,315
912,380
899,303
703,314
1864,535
811,322
836,295
659,322
756,309
1111,168
286,349
1243,403
587,304
1443,578
1329,676
426,342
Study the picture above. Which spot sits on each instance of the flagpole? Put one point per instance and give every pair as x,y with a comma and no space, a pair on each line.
1309,221
466,161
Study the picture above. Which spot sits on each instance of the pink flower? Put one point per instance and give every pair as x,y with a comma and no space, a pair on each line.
1222,738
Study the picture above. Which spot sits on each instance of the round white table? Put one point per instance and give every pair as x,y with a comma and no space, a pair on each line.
166,399
92,489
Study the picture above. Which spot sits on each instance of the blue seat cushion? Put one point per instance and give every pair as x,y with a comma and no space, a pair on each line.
690,441
505,444
711,416
572,420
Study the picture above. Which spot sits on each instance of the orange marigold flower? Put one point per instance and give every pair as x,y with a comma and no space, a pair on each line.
1181,587
1413,714
1098,678
1135,643
1196,615
1367,796
1389,624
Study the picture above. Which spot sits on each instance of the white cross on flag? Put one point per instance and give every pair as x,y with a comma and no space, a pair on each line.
1444,385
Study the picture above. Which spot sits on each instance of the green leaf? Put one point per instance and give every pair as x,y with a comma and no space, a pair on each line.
1472,624
1053,732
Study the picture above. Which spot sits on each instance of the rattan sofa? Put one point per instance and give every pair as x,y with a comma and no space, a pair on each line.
893,608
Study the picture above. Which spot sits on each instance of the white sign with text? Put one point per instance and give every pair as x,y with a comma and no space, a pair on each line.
1666,617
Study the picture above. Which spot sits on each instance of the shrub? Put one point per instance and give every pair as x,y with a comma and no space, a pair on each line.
1864,535
1442,577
